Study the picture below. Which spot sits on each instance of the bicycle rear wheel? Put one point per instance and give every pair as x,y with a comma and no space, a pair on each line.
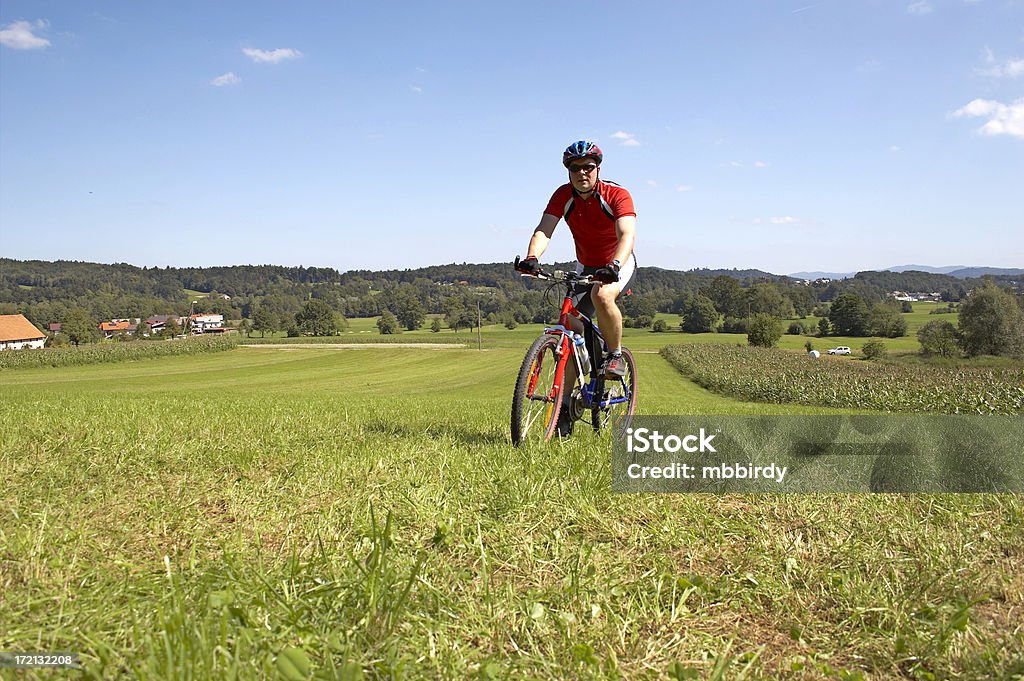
536,402
619,396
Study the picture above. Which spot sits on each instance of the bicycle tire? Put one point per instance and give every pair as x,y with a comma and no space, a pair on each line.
618,416
536,417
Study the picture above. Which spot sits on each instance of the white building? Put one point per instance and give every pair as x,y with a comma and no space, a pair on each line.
17,333
203,323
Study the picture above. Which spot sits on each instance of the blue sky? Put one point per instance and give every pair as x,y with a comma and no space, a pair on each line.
790,135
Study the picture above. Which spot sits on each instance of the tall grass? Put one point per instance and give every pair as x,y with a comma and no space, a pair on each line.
315,514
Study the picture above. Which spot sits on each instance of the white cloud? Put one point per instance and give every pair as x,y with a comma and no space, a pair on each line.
19,35
760,164
416,88
1003,119
894,148
627,139
684,188
271,56
784,220
228,78
1011,68
653,183
920,8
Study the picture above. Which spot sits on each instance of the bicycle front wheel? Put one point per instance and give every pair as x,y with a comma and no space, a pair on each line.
536,402
615,399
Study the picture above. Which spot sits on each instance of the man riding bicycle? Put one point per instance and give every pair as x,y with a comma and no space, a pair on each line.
602,220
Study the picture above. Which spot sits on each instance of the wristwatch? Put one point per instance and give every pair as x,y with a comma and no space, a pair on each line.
616,263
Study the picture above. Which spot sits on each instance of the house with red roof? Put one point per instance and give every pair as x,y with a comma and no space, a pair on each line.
116,328
18,333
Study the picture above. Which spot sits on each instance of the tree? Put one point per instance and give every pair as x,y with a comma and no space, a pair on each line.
802,299
435,326
454,312
407,307
764,330
388,323
991,323
735,324
640,307
939,338
171,328
824,328
660,326
727,295
79,327
874,350
766,299
701,315
245,327
849,315
316,318
264,320
886,321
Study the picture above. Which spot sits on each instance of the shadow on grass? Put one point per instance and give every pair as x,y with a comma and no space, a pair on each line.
459,433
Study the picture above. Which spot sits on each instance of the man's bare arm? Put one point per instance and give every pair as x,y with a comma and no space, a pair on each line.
541,236
625,229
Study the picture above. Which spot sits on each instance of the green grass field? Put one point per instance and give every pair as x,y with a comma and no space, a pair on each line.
247,513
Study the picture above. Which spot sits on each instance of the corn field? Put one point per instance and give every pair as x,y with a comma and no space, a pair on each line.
778,376
101,353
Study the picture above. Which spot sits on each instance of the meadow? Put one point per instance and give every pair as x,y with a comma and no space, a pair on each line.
312,512
364,329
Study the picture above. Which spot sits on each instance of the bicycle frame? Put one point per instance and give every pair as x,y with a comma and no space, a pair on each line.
567,348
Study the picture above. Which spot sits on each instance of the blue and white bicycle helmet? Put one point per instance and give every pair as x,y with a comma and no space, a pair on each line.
580,150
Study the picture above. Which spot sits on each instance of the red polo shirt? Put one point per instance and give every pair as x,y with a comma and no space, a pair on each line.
592,222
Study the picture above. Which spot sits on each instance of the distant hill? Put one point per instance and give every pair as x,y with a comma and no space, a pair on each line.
822,275
958,271
925,268
973,272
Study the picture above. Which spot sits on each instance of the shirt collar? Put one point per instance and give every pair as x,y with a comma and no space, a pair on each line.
593,194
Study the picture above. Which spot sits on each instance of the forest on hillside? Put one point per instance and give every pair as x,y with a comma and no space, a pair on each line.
46,291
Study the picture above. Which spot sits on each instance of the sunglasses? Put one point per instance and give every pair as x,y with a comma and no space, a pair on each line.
585,168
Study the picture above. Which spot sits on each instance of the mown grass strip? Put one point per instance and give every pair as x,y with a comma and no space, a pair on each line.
403,339
777,376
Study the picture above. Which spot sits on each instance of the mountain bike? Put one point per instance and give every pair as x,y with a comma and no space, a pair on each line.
540,387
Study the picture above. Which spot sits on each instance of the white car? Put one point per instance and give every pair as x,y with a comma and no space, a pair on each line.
841,350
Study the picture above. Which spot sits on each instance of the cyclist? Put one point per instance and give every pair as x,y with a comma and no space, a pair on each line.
602,220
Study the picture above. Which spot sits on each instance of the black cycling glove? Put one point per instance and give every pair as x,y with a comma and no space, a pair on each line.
528,265
609,274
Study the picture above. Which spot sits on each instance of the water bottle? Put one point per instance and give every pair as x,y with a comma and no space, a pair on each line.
581,352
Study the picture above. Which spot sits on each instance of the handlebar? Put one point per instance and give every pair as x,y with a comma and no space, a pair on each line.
561,275
558,275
